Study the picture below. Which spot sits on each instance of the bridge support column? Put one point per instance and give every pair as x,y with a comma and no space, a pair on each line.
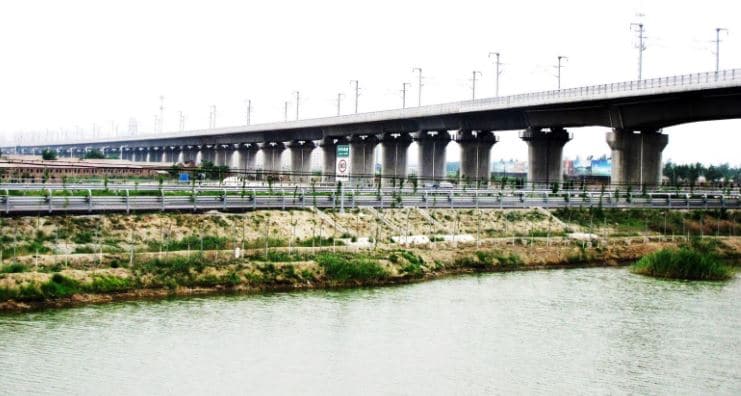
395,156
329,152
475,155
301,160
431,155
636,157
362,161
221,156
155,154
247,153
545,149
272,153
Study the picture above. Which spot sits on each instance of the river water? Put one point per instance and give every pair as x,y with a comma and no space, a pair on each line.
600,330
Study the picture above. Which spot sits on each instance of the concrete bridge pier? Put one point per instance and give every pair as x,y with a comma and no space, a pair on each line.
271,154
155,154
431,155
247,155
190,153
395,147
301,159
220,154
362,161
329,152
545,149
208,153
475,155
636,157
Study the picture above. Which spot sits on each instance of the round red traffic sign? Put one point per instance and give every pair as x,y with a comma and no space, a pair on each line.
342,166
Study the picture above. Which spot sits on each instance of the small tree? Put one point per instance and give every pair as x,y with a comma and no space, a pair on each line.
48,155
94,154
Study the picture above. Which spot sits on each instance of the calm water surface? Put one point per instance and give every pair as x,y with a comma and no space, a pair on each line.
576,331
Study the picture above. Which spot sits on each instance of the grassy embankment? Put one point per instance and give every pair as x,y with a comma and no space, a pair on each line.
169,254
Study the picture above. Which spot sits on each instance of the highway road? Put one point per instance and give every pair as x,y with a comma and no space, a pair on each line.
56,203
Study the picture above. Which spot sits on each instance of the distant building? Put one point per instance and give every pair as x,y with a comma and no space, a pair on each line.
34,169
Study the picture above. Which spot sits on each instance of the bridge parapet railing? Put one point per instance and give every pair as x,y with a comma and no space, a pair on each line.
682,80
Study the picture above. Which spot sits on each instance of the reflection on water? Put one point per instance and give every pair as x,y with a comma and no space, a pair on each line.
587,331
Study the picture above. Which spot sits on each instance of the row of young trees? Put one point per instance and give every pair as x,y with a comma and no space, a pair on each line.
689,173
51,155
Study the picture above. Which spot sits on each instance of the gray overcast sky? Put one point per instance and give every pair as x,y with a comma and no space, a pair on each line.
75,63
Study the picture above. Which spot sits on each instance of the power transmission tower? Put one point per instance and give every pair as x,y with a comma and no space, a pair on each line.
404,94
641,45
419,85
558,67
498,72
357,94
473,83
339,101
717,47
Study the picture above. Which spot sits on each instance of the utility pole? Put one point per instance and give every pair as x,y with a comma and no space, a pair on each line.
248,115
339,102
212,117
285,111
717,47
297,103
419,85
473,85
641,31
498,72
404,94
357,94
181,121
558,67
162,114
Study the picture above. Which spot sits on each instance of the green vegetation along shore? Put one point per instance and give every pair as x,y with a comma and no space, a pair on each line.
696,261
61,261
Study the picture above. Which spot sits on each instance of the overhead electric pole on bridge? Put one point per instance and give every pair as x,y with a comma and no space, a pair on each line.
558,67
212,117
357,94
473,83
248,113
717,47
298,98
419,85
339,102
181,121
285,111
498,72
161,125
641,31
404,94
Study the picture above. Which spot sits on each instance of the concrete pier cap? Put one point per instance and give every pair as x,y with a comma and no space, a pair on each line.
636,157
545,153
431,155
475,155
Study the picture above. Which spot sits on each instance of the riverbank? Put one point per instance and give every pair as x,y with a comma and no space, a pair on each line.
58,261
179,274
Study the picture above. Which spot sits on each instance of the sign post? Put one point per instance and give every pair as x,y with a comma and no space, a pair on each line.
342,171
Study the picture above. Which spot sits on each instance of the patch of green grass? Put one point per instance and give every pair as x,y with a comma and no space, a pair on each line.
345,267
13,268
683,263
